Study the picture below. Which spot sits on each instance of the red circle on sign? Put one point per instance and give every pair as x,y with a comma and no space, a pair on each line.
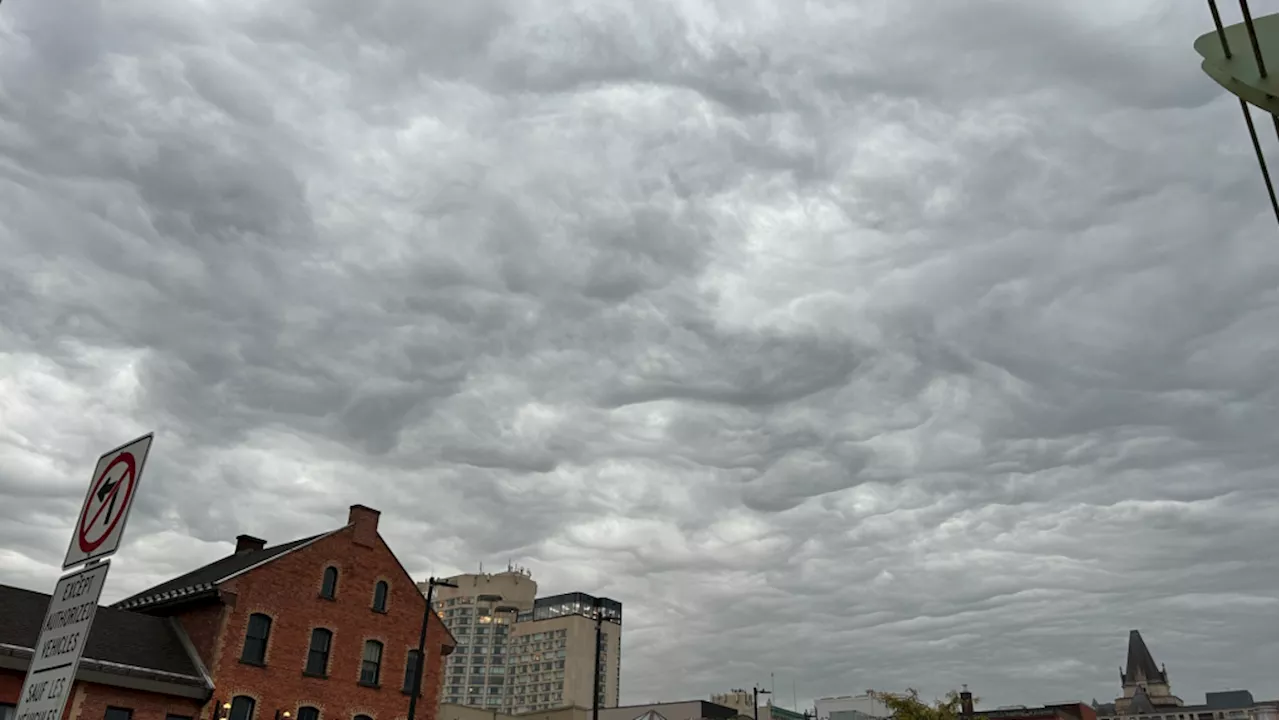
130,474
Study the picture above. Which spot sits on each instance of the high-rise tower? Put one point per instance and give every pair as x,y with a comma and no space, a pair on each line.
518,652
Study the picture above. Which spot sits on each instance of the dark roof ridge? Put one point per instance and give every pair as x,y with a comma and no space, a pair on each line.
205,578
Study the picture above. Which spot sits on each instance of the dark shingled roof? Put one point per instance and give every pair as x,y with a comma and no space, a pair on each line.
118,636
203,578
1141,666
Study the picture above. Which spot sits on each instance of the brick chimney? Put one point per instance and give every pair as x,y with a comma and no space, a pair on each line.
365,521
249,543
966,702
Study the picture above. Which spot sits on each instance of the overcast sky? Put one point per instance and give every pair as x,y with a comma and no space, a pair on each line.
873,344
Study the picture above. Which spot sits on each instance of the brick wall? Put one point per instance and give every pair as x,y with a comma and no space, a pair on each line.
10,686
288,591
89,701
203,625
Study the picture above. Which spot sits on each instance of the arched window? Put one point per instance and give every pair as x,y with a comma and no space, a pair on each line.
318,653
306,712
371,663
362,717
255,639
329,585
241,708
410,666
380,596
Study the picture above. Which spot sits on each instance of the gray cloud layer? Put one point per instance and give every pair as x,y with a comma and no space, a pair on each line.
872,345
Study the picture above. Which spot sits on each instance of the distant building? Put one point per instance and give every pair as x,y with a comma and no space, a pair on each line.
851,707
518,653
741,700
687,710
1052,711
1146,694
1061,711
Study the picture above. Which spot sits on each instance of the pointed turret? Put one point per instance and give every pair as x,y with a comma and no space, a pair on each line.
1141,667
1145,684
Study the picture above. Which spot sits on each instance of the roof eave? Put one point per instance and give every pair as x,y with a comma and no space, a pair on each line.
170,600
103,672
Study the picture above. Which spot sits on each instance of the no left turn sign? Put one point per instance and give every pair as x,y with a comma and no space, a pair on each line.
100,525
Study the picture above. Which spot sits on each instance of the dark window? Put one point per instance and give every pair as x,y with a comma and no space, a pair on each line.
329,586
410,666
118,713
241,708
380,596
371,663
318,652
7,711
362,717
255,639
177,717
306,712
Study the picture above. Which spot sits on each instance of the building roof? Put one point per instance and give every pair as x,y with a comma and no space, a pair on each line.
118,636
1140,703
204,579
1229,699
1141,666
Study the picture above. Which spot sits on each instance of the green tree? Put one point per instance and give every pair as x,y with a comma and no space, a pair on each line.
909,706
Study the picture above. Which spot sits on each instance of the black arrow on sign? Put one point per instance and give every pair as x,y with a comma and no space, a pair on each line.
103,492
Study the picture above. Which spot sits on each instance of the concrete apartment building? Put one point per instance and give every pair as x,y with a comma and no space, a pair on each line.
518,653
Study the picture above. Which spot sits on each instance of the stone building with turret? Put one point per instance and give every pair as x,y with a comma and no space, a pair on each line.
1146,694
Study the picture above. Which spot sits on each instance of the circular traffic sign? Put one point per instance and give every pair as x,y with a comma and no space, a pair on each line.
108,502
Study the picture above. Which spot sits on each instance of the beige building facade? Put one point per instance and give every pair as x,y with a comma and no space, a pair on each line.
518,653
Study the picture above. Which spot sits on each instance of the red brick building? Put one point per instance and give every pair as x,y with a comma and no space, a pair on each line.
322,628
1062,711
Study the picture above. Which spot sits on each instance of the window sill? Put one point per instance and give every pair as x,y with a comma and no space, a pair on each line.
330,598
371,686
317,676
252,663
383,611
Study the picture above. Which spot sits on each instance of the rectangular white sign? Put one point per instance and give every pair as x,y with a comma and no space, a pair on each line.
99,527
57,652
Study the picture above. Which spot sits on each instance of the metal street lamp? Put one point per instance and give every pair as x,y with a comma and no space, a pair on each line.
756,692
432,584
1235,57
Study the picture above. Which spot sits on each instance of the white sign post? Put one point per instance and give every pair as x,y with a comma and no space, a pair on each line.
63,635
100,526
97,534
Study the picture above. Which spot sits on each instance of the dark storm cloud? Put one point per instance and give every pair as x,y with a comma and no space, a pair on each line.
874,345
